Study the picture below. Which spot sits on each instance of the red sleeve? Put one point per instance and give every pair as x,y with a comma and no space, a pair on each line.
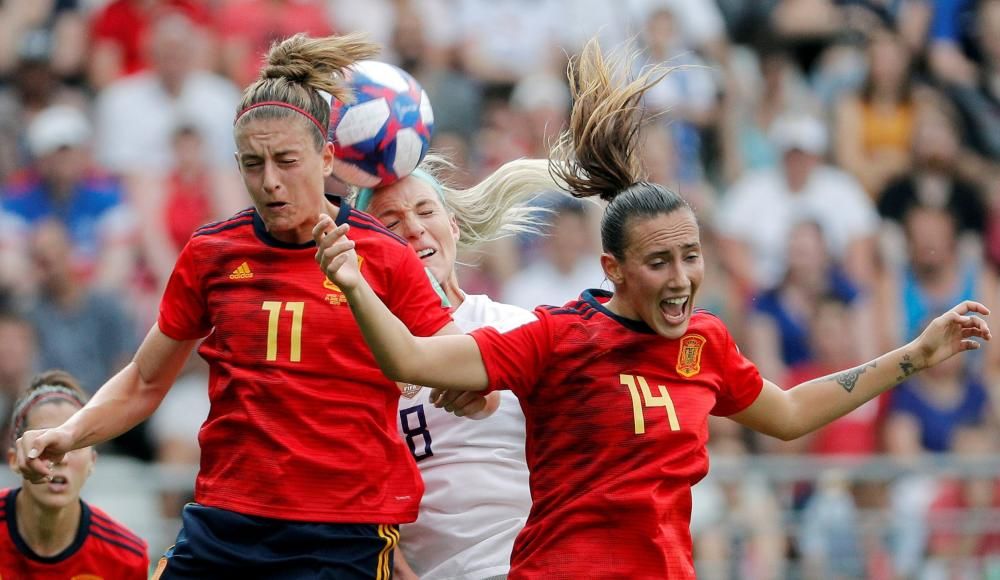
183,312
413,299
741,381
517,358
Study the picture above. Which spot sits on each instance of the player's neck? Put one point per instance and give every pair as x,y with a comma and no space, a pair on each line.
48,532
455,295
620,307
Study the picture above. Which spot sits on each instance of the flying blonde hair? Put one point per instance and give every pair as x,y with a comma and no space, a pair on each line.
496,207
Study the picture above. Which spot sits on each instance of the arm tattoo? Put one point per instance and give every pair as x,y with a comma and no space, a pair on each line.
906,368
848,379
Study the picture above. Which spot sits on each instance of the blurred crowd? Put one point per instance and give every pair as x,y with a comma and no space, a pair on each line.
843,157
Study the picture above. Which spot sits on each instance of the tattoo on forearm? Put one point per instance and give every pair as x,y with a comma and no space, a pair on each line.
849,379
906,368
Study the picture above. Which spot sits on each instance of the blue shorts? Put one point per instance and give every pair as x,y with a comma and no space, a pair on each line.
217,543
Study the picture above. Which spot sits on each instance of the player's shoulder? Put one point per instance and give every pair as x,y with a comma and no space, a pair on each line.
113,537
5,499
708,323
238,223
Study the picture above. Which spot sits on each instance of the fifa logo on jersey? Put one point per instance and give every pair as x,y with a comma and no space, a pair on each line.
409,391
689,355
242,272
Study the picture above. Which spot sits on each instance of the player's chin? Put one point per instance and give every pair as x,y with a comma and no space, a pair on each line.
671,327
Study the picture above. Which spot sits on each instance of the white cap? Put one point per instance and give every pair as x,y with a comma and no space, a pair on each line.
799,131
56,127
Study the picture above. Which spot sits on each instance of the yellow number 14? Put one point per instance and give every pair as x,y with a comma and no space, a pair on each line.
637,383
273,313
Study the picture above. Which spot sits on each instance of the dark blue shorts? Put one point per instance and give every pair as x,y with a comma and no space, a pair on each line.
217,543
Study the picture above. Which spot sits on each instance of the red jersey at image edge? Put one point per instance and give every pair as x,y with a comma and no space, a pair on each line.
616,426
302,421
103,549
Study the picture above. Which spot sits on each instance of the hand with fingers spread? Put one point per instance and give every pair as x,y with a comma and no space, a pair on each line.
953,332
335,253
37,451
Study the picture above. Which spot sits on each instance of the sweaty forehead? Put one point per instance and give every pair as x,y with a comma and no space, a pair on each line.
259,134
674,231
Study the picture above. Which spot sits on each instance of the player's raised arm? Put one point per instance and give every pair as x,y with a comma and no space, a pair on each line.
449,362
124,401
811,405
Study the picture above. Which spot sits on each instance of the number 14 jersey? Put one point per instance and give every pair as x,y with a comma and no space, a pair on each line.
616,427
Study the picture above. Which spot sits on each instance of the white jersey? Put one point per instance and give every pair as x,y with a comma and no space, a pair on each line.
476,499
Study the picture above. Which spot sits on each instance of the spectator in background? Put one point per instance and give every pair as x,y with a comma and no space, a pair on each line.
246,29
934,180
759,87
504,40
77,328
63,185
34,87
567,260
758,212
780,325
935,273
121,30
131,139
927,410
978,96
172,206
874,126
964,539
688,95
55,27
18,348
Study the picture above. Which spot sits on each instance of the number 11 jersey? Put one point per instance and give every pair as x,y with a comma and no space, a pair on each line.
616,426
302,421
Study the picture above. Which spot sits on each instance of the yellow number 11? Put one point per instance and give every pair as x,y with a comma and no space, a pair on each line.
634,384
274,311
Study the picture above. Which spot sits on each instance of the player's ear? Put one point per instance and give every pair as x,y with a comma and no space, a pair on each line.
12,458
612,268
327,153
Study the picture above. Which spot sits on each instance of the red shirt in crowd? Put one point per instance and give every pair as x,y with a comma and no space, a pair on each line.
302,421
617,421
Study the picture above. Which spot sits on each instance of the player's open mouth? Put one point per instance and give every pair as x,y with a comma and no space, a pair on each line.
426,253
675,309
277,204
58,483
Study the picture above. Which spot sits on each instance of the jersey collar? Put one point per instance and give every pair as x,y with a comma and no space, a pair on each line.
81,533
260,230
596,298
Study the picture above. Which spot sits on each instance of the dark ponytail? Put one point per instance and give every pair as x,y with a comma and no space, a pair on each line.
598,155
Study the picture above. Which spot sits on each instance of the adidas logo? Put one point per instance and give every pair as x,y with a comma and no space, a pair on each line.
241,273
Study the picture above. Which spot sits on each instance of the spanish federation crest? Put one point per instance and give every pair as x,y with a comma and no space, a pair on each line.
689,355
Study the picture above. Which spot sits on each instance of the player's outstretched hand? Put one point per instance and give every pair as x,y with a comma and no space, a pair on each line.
953,332
335,253
38,450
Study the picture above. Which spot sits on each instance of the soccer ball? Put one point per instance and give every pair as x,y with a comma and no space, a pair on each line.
383,135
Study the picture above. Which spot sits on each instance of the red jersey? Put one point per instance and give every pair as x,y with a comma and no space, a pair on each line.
616,426
302,421
102,550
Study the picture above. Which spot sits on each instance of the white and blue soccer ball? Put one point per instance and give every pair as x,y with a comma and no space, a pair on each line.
383,135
